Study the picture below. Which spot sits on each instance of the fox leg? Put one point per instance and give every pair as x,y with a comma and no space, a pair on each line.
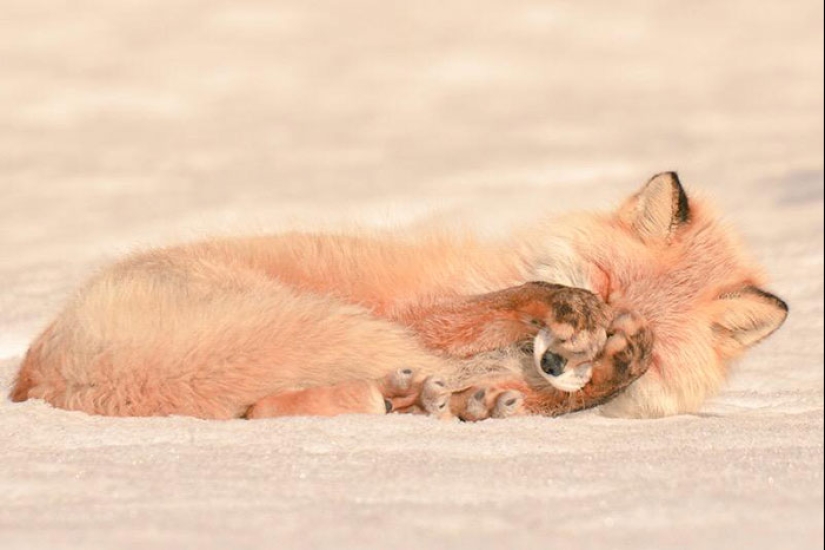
459,326
352,397
399,391
625,357
464,326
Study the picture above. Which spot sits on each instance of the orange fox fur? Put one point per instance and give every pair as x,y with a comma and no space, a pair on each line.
214,328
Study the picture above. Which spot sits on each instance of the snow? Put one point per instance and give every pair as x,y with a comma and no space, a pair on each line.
134,124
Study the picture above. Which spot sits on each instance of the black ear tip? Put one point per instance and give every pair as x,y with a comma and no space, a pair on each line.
668,174
776,300
671,175
681,204
660,208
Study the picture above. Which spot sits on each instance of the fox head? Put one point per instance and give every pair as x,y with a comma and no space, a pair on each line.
669,257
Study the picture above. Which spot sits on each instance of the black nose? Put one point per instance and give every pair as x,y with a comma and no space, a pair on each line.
553,364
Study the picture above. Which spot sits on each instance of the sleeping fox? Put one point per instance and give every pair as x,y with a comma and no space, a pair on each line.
639,310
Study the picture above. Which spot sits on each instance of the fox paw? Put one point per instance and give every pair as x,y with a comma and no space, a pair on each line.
573,333
481,402
627,354
404,392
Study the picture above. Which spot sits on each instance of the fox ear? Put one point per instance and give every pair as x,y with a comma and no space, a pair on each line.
747,317
658,209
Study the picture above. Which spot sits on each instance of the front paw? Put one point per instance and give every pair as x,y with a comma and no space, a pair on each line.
574,331
627,354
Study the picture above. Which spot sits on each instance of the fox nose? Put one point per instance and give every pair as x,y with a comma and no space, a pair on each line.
553,364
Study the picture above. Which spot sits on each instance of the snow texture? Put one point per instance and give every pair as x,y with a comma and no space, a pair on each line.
130,124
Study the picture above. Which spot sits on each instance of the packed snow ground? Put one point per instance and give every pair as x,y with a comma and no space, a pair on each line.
129,124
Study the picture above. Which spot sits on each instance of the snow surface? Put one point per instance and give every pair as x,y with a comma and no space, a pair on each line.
129,124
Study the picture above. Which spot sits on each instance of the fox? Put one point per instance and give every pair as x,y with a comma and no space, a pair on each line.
640,311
